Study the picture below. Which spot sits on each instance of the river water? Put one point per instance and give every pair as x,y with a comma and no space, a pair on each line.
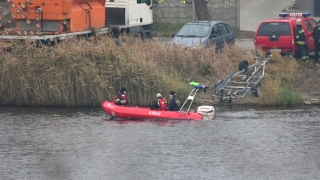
62,143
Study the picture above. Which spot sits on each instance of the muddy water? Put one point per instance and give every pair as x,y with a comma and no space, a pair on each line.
53,143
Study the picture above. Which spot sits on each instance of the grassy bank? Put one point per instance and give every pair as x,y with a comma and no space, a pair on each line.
83,73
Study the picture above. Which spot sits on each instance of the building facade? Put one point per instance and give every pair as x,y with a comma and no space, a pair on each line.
311,6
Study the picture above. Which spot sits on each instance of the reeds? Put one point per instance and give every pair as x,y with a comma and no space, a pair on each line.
84,73
278,88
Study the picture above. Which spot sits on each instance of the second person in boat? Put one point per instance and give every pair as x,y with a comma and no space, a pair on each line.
174,103
160,104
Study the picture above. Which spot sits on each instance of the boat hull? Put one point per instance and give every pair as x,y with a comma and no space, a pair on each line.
114,110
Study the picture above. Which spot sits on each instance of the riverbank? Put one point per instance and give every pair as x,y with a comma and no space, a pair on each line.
309,72
85,73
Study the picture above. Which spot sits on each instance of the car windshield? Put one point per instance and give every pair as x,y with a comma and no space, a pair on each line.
274,28
194,30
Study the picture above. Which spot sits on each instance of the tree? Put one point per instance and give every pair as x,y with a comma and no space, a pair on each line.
202,10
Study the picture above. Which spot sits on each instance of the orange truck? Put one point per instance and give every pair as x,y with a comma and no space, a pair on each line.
51,20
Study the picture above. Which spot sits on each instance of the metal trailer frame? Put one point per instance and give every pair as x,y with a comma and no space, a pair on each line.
192,95
238,84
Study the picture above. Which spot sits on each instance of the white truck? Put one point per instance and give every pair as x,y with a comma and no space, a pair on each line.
57,20
133,16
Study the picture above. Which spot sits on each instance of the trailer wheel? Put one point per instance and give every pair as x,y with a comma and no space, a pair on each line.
243,65
255,88
217,83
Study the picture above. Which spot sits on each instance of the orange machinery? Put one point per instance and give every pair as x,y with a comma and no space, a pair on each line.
56,16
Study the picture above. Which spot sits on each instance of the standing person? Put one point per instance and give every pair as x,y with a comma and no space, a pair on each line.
300,37
174,103
160,104
122,99
316,37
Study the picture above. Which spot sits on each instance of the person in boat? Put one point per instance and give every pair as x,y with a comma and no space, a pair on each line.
174,103
122,99
160,104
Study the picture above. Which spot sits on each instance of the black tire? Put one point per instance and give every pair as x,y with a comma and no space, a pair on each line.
255,89
243,65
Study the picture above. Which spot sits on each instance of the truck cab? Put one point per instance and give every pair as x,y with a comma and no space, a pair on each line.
48,21
133,16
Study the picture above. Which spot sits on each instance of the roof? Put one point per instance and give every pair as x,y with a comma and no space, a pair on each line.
204,22
286,19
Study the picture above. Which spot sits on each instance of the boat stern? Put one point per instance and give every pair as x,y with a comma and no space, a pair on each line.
207,112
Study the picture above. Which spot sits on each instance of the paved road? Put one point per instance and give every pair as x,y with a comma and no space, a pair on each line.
252,12
245,44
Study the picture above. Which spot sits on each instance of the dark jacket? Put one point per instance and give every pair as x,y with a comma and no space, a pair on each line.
174,104
299,35
316,35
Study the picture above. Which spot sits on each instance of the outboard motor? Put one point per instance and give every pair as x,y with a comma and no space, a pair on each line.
206,111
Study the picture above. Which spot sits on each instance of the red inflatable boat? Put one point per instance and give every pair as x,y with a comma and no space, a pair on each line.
125,112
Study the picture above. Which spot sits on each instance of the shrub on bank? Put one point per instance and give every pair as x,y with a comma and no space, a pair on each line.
84,73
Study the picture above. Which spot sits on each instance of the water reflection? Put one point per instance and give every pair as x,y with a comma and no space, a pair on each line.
81,143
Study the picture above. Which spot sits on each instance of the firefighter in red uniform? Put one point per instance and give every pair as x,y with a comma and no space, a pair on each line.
122,99
160,104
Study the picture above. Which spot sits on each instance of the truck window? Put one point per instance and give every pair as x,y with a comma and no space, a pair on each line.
148,2
274,28
307,23
314,23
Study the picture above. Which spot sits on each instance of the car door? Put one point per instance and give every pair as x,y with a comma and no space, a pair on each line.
215,36
308,31
229,37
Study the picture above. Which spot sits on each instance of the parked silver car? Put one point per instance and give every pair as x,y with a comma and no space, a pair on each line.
204,33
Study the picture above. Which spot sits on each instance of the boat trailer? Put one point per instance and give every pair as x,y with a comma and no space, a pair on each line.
238,84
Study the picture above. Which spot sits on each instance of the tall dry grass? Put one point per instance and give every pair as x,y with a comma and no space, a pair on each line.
281,76
85,73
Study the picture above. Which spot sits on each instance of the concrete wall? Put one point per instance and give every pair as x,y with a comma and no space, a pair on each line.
305,6
255,11
172,11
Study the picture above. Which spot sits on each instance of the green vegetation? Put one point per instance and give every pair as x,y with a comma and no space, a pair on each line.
85,73
278,87
289,98
166,29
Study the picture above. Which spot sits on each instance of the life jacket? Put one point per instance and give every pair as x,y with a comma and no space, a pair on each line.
122,100
162,104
